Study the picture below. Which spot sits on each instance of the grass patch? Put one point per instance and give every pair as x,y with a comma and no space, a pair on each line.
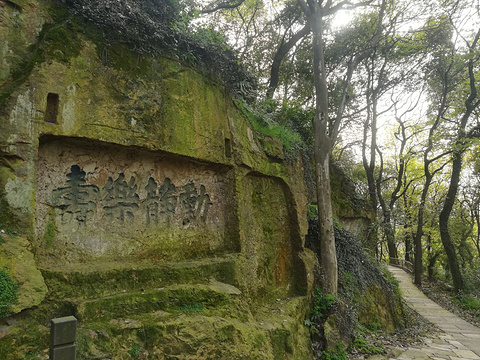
135,351
266,125
192,308
361,345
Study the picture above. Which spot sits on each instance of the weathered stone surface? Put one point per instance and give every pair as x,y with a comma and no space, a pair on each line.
98,201
376,309
267,241
131,176
17,259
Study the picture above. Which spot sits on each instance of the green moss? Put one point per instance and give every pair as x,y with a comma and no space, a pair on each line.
55,41
61,43
8,220
58,12
282,343
29,336
109,278
377,310
120,57
51,229
8,293
181,299
290,139
213,333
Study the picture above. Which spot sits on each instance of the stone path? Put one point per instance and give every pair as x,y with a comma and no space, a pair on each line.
460,340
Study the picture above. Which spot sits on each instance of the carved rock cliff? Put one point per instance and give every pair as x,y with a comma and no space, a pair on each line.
135,196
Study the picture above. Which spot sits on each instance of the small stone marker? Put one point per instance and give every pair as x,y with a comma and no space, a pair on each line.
63,335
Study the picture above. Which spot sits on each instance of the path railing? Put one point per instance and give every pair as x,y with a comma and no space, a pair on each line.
405,265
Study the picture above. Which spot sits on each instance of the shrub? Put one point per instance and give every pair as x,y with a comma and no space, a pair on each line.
321,304
8,293
469,302
338,354
471,278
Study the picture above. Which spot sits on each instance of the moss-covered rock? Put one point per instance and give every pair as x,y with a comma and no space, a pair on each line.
18,261
376,310
143,200
366,298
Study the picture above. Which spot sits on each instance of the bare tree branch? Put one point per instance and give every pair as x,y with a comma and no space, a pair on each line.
333,9
223,6
282,51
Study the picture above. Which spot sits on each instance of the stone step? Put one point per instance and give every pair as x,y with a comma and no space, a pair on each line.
174,300
230,333
84,281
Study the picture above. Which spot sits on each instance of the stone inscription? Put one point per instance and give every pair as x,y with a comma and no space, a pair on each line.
119,201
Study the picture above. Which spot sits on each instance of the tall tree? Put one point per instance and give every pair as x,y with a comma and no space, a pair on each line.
392,65
428,173
400,186
471,103
444,87
326,129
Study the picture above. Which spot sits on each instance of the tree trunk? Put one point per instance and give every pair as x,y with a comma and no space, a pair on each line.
445,216
325,133
407,231
471,103
323,146
328,255
369,167
477,220
389,235
418,264
408,243
432,258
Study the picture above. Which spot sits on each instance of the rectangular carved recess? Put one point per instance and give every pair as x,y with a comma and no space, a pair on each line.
97,200
51,112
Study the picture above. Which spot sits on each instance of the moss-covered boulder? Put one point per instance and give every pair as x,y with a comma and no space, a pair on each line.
17,260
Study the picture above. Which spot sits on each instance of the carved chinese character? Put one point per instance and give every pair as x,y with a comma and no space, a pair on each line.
168,199
202,204
159,201
120,199
77,200
195,204
151,202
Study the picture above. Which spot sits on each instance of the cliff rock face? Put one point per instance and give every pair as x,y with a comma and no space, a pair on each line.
135,196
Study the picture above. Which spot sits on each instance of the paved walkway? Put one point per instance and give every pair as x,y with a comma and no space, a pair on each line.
460,340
